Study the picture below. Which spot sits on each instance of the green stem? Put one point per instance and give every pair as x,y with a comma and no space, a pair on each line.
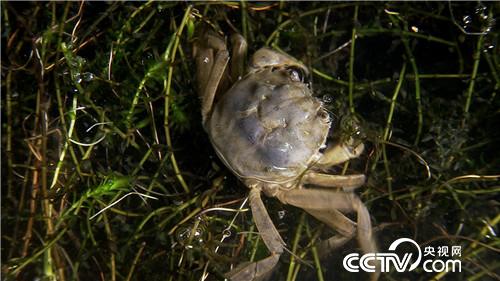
351,61
8,149
388,127
295,243
314,251
393,102
68,56
172,49
411,58
477,58
430,38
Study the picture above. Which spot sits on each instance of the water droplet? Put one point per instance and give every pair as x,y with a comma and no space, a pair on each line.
185,235
480,9
226,233
327,98
88,76
477,20
488,47
294,75
467,20
74,90
281,214
77,78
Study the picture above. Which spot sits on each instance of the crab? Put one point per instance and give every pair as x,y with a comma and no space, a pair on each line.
271,132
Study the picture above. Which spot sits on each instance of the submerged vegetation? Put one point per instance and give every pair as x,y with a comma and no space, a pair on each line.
107,173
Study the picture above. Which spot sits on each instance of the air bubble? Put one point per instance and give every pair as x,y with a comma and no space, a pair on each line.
281,214
488,45
77,78
327,98
187,236
294,76
88,76
226,233
475,21
466,20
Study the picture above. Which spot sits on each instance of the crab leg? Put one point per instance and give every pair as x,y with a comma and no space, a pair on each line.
325,200
210,70
270,236
338,221
335,220
320,203
340,153
239,56
327,180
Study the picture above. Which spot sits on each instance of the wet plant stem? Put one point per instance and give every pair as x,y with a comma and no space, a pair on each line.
388,126
135,262
244,18
470,90
170,58
72,116
287,22
62,116
351,60
430,38
393,102
111,239
8,146
314,251
494,73
295,244
41,251
413,63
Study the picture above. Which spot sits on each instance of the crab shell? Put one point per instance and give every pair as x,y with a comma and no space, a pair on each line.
268,126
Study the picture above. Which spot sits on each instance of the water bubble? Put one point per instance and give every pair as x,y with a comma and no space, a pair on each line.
146,58
467,20
480,9
327,98
294,75
281,214
77,77
476,21
488,45
187,236
226,233
88,76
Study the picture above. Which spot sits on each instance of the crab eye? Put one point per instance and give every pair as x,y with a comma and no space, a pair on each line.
296,74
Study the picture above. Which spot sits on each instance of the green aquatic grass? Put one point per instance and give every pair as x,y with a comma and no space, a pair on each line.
107,172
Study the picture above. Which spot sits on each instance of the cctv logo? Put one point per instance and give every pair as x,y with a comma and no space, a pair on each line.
354,263
385,259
